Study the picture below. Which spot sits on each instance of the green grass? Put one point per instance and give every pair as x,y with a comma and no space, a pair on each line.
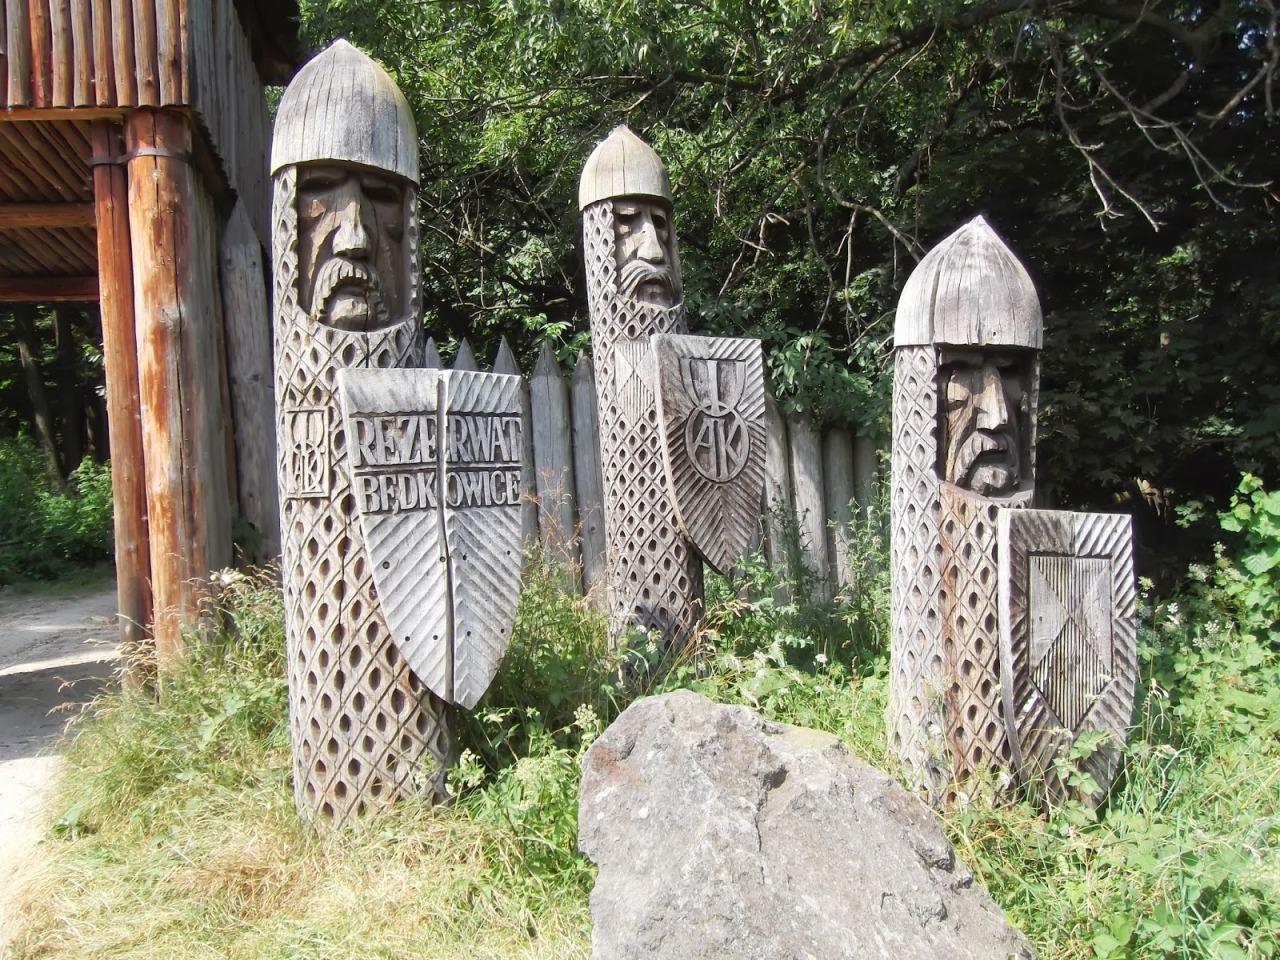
175,833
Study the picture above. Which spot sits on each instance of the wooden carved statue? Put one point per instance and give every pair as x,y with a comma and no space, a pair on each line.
344,162
634,290
966,378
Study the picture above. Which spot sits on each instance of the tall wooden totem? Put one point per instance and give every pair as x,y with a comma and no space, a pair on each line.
966,382
344,162
634,290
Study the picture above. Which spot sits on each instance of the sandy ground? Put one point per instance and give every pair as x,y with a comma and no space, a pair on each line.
54,652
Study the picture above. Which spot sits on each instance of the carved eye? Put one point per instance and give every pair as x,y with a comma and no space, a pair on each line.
379,191
958,392
660,225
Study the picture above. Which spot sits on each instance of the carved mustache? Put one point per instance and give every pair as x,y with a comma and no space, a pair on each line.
339,272
639,272
975,448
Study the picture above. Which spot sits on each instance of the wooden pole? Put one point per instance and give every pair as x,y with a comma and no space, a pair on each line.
124,417
777,495
806,487
171,229
249,351
553,462
837,474
589,479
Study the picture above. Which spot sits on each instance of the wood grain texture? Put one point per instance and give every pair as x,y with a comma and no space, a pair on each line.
247,320
655,576
363,725
19,216
82,40
505,362
808,501
1069,641
343,106
465,360
710,404
865,462
969,289
483,522
18,52
838,491
588,478
62,60
122,48
104,89
553,463
171,229
41,38
145,56
124,419
779,516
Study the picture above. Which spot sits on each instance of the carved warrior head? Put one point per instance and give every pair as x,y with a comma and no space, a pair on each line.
986,334
346,142
626,185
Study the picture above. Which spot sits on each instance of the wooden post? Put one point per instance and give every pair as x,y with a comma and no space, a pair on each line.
864,474
248,339
553,463
779,517
505,362
171,228
810,506
837,475
966,343
466,358
124,416
634,290
588,478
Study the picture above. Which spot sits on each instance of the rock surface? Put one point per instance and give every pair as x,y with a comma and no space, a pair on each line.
720,835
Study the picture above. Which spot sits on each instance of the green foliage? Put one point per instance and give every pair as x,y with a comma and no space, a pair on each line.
45,531
1253,583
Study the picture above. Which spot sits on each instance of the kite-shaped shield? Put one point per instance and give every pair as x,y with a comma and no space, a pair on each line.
436,462
710,399
1068,640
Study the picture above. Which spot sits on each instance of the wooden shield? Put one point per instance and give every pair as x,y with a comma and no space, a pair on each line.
438,494
1068,638
710,399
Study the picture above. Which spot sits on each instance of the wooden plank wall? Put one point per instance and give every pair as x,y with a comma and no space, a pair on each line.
93,54
809,519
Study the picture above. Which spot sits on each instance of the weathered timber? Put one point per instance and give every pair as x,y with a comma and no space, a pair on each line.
41,53
365,729
20,216
171,229
809,503
247,321
553,463
779,518
48,289
588,478
82,53
62,59
838,493
431,356
1068,642
145,57
18,52
103,66
505,362
710,401
864,473
964,399
124,420
634,290
465,360
126,75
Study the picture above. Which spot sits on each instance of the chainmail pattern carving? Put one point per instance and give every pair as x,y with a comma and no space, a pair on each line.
364,728
654,576
917,684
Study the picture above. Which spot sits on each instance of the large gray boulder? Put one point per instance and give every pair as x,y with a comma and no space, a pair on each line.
720,835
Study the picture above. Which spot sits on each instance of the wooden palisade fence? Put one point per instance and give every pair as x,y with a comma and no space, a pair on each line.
815,480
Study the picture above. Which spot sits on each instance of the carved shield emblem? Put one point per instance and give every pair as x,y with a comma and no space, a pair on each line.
710,399
1068,640
437,470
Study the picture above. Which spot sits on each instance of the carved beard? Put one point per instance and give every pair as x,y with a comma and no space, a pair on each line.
986,463
347,294
647,282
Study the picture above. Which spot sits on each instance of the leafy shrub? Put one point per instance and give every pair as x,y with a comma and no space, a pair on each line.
44,531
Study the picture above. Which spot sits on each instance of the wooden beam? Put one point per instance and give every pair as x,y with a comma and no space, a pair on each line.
26,216
124,414
48,289
62,113
172,226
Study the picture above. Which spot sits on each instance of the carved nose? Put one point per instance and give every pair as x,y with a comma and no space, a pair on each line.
651,249
993,410
351,238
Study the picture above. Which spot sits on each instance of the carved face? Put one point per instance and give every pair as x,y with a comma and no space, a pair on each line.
984,401
645,251
351,255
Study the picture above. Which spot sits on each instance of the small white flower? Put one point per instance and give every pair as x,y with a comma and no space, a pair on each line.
821,658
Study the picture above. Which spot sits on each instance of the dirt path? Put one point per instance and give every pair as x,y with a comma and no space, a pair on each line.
54,650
